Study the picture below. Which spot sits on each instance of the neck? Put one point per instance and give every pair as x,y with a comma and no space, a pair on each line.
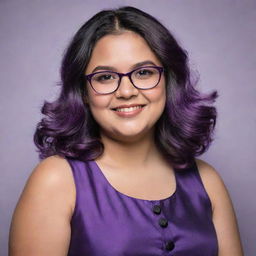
131,155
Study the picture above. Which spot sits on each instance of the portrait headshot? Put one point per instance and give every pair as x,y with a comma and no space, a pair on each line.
128,128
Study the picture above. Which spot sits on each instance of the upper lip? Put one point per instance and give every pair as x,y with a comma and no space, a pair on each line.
128,106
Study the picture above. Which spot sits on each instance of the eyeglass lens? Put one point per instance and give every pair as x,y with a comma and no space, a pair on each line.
143,78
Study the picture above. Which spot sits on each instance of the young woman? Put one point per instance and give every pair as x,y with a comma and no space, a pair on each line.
119,175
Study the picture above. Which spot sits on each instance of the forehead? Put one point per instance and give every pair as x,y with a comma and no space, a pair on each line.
121,51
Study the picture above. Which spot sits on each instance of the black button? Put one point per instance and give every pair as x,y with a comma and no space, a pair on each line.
169,245
163,222
156,209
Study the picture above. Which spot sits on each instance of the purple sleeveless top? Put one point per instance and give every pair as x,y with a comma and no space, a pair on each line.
107,222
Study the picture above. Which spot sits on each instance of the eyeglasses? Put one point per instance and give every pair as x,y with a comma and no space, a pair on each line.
143,78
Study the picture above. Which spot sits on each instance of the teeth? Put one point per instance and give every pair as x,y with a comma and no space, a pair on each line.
128,109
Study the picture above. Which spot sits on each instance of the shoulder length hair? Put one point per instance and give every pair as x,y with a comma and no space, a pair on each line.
183,131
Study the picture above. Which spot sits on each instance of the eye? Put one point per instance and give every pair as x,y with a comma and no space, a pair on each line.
104,77
144,73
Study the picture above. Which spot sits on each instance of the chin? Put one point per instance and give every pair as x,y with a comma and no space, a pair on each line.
131,136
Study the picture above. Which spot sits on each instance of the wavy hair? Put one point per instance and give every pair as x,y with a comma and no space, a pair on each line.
184,130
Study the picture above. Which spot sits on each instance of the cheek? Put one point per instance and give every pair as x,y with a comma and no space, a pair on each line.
97,101
97,107
157,95
98,104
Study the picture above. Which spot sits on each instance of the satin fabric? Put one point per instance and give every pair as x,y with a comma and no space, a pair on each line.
107,222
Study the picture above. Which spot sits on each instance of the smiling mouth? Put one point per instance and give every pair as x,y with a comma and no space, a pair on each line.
128,109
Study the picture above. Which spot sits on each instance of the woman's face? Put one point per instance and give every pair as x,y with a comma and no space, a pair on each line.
121,53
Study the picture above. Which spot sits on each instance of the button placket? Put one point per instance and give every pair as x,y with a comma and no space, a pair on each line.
163,222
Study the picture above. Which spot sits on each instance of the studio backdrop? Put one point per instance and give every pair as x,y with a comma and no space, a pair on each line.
220,39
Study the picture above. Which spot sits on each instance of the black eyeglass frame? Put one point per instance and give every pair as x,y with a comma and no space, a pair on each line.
121,75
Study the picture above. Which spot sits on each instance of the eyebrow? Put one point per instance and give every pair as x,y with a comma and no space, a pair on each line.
137,65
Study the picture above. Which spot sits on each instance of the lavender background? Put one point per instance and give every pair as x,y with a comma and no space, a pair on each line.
220,37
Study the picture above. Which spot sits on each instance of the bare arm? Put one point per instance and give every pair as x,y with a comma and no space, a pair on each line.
224,218
41,220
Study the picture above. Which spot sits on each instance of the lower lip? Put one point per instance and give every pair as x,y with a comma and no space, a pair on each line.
130,113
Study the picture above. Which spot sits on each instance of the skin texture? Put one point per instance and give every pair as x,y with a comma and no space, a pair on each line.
41,221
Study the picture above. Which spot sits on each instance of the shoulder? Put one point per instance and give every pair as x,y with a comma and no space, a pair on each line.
53,170
52,162
207,171
224,217
212,181
43,212
53,177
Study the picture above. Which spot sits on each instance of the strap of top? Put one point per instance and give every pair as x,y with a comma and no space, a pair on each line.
191,189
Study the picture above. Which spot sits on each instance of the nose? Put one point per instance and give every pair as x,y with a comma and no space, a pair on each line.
126,88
